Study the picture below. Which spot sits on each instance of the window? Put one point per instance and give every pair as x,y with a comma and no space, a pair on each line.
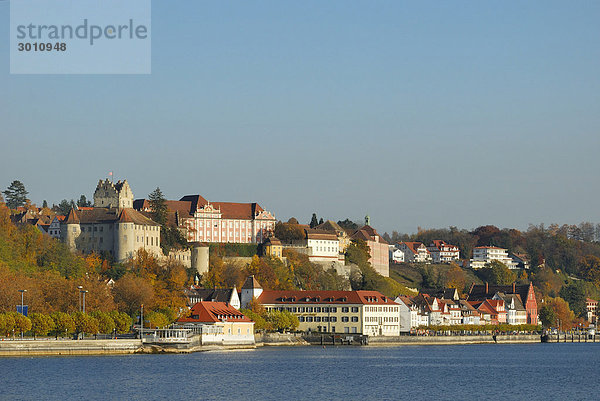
309,309
333,329
345,319
355,309
317,309
309,319
333,309
301,319
346,330
333,319
317,319
345,309
354,330
355,319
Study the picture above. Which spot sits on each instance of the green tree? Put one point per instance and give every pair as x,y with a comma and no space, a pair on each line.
83,202
122,321
63,324
348,225
156,319
358,252
41,324
64,207
45,204
16,194
496,272
106,324
158,206
574,294
22,323
7,324
314,221
282,320
85,323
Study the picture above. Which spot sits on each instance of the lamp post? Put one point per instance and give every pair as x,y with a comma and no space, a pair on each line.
142,323
22,308
84,292
79,298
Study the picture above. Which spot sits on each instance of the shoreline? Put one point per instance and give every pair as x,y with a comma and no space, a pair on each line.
67,347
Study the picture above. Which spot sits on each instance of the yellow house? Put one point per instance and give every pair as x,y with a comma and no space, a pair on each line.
272,247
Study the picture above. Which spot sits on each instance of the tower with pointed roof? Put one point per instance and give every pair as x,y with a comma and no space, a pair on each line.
250,289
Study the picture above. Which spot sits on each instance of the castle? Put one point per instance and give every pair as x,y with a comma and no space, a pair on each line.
112,226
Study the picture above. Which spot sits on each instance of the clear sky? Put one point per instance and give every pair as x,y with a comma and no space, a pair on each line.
418,113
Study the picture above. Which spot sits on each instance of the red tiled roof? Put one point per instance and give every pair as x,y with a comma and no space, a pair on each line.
324,297
213,312
413,246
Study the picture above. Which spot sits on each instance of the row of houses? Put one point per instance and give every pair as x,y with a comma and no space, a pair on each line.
441,252
372,313
483,305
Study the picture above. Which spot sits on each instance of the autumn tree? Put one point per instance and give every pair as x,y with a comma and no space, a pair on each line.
63,324
85,323
131,292
106,324
41,324
122,321
16,194
156,320
455,277
288,232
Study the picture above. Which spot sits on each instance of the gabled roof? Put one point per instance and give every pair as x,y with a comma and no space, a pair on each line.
484,291
211,294
213,312
412,246
133,216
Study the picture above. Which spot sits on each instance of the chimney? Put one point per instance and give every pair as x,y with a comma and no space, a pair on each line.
486,288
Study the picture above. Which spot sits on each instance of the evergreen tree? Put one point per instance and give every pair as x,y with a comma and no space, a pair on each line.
16,195
45,203
314,221
321,220
83,202
158,206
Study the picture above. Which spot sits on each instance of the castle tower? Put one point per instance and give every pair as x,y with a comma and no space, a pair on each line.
112,195
124,237
70,229
250,289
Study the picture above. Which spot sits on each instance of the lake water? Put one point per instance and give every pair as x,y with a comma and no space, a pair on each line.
500,372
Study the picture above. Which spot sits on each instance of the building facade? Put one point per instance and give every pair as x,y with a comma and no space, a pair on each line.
205,221
415,252
218,323
483,255
441,252
351,312
378,249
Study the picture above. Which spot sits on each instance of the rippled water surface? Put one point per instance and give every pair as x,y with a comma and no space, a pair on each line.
509,372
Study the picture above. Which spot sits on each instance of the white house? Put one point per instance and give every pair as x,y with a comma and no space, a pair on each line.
396,255
415,252
441,252
485,254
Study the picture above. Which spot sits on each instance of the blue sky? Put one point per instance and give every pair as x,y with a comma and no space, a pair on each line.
423,114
